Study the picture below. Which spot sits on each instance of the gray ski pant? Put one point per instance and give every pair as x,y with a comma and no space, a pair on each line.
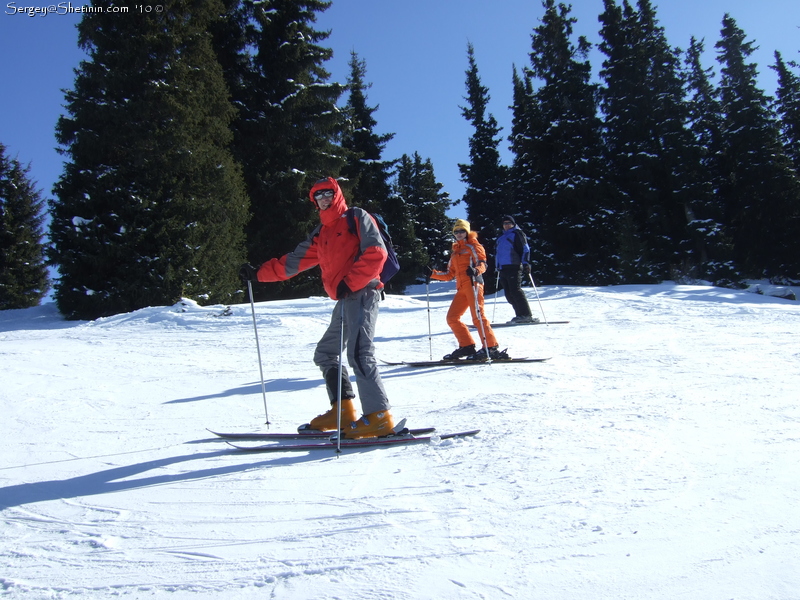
360,313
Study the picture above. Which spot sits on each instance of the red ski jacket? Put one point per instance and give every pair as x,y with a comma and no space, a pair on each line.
355,259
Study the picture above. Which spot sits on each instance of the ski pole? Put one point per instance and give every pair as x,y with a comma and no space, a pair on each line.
496,294
480,320
339,391
430,335
258,349
539,299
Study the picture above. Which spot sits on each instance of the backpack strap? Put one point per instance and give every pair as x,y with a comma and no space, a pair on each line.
351,220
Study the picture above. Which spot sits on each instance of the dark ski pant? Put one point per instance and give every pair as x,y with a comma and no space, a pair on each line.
511,282
360,313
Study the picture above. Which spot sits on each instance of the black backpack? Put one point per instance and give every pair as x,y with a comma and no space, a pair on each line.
392,265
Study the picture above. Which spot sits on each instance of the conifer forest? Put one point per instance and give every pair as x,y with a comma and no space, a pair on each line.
192,136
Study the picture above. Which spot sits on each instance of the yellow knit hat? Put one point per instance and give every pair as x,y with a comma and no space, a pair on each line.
461,224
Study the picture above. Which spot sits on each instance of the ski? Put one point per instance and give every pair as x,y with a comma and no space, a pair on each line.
392,440
310,434
496,325
463,362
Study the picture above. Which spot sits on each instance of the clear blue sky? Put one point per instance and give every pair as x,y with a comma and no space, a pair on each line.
415,52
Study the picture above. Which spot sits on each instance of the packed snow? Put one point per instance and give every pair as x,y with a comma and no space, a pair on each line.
655,455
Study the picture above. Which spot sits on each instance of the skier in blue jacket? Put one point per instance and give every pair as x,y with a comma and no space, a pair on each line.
512,259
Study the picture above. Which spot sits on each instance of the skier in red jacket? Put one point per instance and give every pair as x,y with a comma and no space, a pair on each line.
350,266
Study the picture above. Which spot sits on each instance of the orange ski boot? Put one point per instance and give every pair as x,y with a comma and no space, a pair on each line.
372,425
327,421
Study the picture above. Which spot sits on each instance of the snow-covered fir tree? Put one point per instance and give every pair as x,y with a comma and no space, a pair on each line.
706,211
566,200
787,105
415,185
288,130
24,280
760,187
643,101
151,205
402,225
487,196
527,127
367,176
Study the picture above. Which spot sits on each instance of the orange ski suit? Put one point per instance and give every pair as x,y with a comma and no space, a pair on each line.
466,253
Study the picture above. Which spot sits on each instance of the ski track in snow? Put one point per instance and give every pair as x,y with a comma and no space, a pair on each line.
654,456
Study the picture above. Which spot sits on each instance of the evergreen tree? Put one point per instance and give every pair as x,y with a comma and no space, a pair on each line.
368,178
411,255
23,275
787,104
527,128
707,227
620,102
568,196
416,186
487,197
760,186
647,140
289,129
229,39
151,204
366,174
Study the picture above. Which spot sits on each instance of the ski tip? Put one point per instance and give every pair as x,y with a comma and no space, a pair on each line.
470,432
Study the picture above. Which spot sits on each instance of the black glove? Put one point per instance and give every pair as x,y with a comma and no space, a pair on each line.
248,272
428,273
471,272
342,291
526,269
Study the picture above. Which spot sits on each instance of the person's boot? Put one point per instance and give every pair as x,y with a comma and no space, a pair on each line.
523,319
494,354
328,421
461,352
372,425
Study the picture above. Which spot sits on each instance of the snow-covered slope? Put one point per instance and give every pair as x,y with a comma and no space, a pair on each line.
654,456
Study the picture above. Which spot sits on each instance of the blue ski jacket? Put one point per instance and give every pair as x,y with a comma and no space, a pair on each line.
512,248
